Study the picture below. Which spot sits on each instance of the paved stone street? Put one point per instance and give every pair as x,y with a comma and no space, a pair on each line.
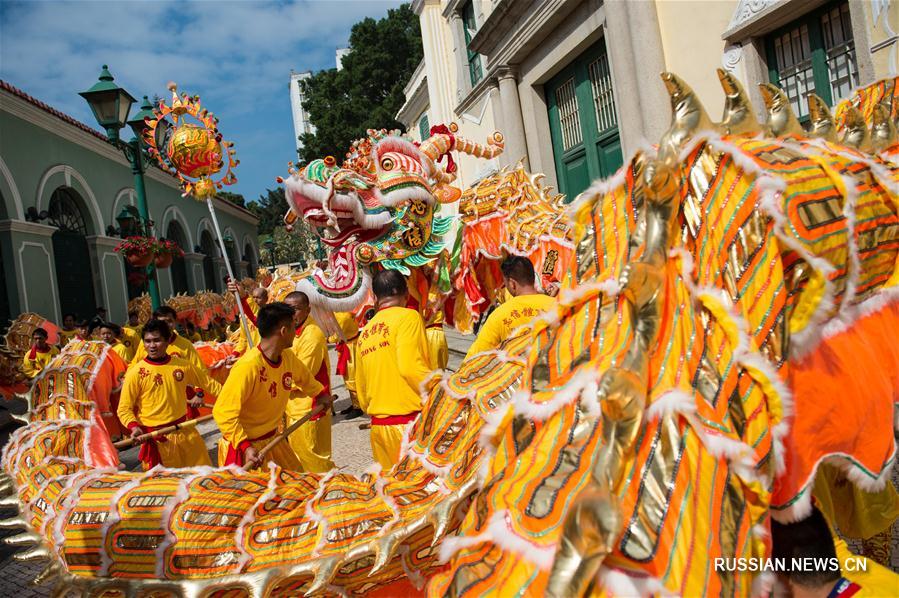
351,452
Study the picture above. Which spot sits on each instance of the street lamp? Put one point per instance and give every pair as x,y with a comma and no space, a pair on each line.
111,105
270,245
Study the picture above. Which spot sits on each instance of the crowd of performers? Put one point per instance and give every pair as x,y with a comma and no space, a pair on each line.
283,374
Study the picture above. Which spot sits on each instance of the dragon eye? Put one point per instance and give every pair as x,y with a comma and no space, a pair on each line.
387,163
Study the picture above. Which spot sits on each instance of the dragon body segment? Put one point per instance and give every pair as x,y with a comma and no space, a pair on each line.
652,423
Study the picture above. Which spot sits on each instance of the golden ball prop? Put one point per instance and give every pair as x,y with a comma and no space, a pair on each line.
194,151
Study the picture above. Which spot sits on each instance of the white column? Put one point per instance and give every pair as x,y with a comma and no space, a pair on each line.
460,49
512,123
440,70
632,30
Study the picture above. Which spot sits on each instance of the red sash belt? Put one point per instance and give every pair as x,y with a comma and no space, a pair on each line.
235,456
435,326
149,450
343,358
316,402
393,420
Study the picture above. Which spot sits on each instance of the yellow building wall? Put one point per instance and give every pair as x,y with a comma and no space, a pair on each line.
885,27
691,42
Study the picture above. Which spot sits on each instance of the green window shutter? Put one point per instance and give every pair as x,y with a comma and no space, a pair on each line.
475,69
424,129
814,54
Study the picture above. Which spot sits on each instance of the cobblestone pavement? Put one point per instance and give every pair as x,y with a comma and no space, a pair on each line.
351,453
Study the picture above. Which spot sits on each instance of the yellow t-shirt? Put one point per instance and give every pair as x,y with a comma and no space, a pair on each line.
874,579
310,347
391,362
122,351
33,367
512,314
154,394
65,336
131,338
256,392
180,347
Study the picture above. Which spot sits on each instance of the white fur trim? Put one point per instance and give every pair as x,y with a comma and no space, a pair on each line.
672,401
250,517
312,515
181,495
619,583
802,506
571,391
500,532
114,517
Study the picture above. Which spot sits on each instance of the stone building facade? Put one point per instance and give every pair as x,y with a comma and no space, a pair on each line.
62,184
574,84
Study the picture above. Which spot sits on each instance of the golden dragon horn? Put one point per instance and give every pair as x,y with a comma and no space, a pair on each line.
855,131
739,117
822,123
883,131
688,118
781,120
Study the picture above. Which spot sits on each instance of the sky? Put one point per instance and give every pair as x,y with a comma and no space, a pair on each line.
237,55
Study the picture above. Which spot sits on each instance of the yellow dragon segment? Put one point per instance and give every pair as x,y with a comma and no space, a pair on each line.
721,294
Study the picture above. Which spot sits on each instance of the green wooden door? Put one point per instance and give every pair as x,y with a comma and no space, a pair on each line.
73,273
74,278
582,121
5,314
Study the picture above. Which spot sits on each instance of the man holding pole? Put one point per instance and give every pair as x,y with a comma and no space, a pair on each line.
252,403
312,441
392,362
155,395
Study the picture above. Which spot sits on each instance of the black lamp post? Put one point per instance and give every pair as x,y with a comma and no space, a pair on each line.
111,105
270,245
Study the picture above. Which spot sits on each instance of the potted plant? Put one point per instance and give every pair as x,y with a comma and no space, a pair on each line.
139,251
166,251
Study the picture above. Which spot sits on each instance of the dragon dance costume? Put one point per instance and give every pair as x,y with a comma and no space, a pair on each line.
726,327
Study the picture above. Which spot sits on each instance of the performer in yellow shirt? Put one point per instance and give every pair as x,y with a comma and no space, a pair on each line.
40,354
525,305
82,331
67,332
837,572
252,402
177,343
109,334
392,362
155,395
346,360
131,331
312,441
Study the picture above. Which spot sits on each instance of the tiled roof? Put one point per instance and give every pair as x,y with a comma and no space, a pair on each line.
48,108
77,123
